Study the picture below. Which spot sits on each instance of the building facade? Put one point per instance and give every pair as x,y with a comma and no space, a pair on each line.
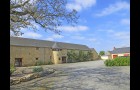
119,52
26,52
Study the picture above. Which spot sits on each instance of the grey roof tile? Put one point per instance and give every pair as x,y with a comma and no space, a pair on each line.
121,50
44,43
56,46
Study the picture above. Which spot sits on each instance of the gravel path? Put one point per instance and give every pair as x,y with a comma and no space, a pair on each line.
92,75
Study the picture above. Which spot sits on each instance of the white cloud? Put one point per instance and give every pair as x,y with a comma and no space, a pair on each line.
33,28
125,21
89,39
31,35
73,29
72,6
50,39
117,34
53,37
80,4
122,35
114,8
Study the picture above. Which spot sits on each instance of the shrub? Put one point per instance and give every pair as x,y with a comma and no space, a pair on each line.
12,69
119,61
37,69
49,63
79,57
38,63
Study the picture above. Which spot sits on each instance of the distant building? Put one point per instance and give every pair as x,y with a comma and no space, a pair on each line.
118,52
104,57
26,52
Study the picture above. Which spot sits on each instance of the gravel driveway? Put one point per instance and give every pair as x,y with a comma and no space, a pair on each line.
91,75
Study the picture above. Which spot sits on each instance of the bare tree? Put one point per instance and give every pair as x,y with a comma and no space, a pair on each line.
49,14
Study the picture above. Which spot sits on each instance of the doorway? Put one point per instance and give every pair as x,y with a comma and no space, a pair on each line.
18,62
63,59
114,56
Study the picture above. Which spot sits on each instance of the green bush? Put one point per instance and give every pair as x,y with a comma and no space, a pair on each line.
119,61
49,63
74,57
12,69
37,69
38,63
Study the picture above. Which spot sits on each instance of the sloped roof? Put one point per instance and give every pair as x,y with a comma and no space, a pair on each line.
56,46
120,50
93,50
18,41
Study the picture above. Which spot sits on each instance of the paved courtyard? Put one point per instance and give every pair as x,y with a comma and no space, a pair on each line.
91,75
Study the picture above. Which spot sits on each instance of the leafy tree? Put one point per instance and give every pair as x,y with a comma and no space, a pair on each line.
102,53
49,14
90,55
81,54
75,57
69,54
85,57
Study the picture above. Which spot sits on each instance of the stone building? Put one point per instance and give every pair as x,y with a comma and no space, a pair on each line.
26,52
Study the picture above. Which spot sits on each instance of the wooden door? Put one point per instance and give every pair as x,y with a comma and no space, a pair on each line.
63,59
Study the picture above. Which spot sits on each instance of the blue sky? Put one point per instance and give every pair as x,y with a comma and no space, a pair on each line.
102,25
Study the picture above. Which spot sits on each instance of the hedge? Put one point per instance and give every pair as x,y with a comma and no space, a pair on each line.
119,61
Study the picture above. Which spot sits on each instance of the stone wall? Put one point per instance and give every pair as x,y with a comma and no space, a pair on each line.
95,55
29,55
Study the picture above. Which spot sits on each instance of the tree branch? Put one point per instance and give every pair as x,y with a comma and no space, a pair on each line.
19,5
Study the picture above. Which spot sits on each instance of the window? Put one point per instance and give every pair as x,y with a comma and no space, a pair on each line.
37,48
36,58
50,57
59,58
18,62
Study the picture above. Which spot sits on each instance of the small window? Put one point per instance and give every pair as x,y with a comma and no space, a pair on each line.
37,48
59,58
50,57
36,58
18,62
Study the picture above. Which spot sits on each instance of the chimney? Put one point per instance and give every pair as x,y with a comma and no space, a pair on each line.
114,48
